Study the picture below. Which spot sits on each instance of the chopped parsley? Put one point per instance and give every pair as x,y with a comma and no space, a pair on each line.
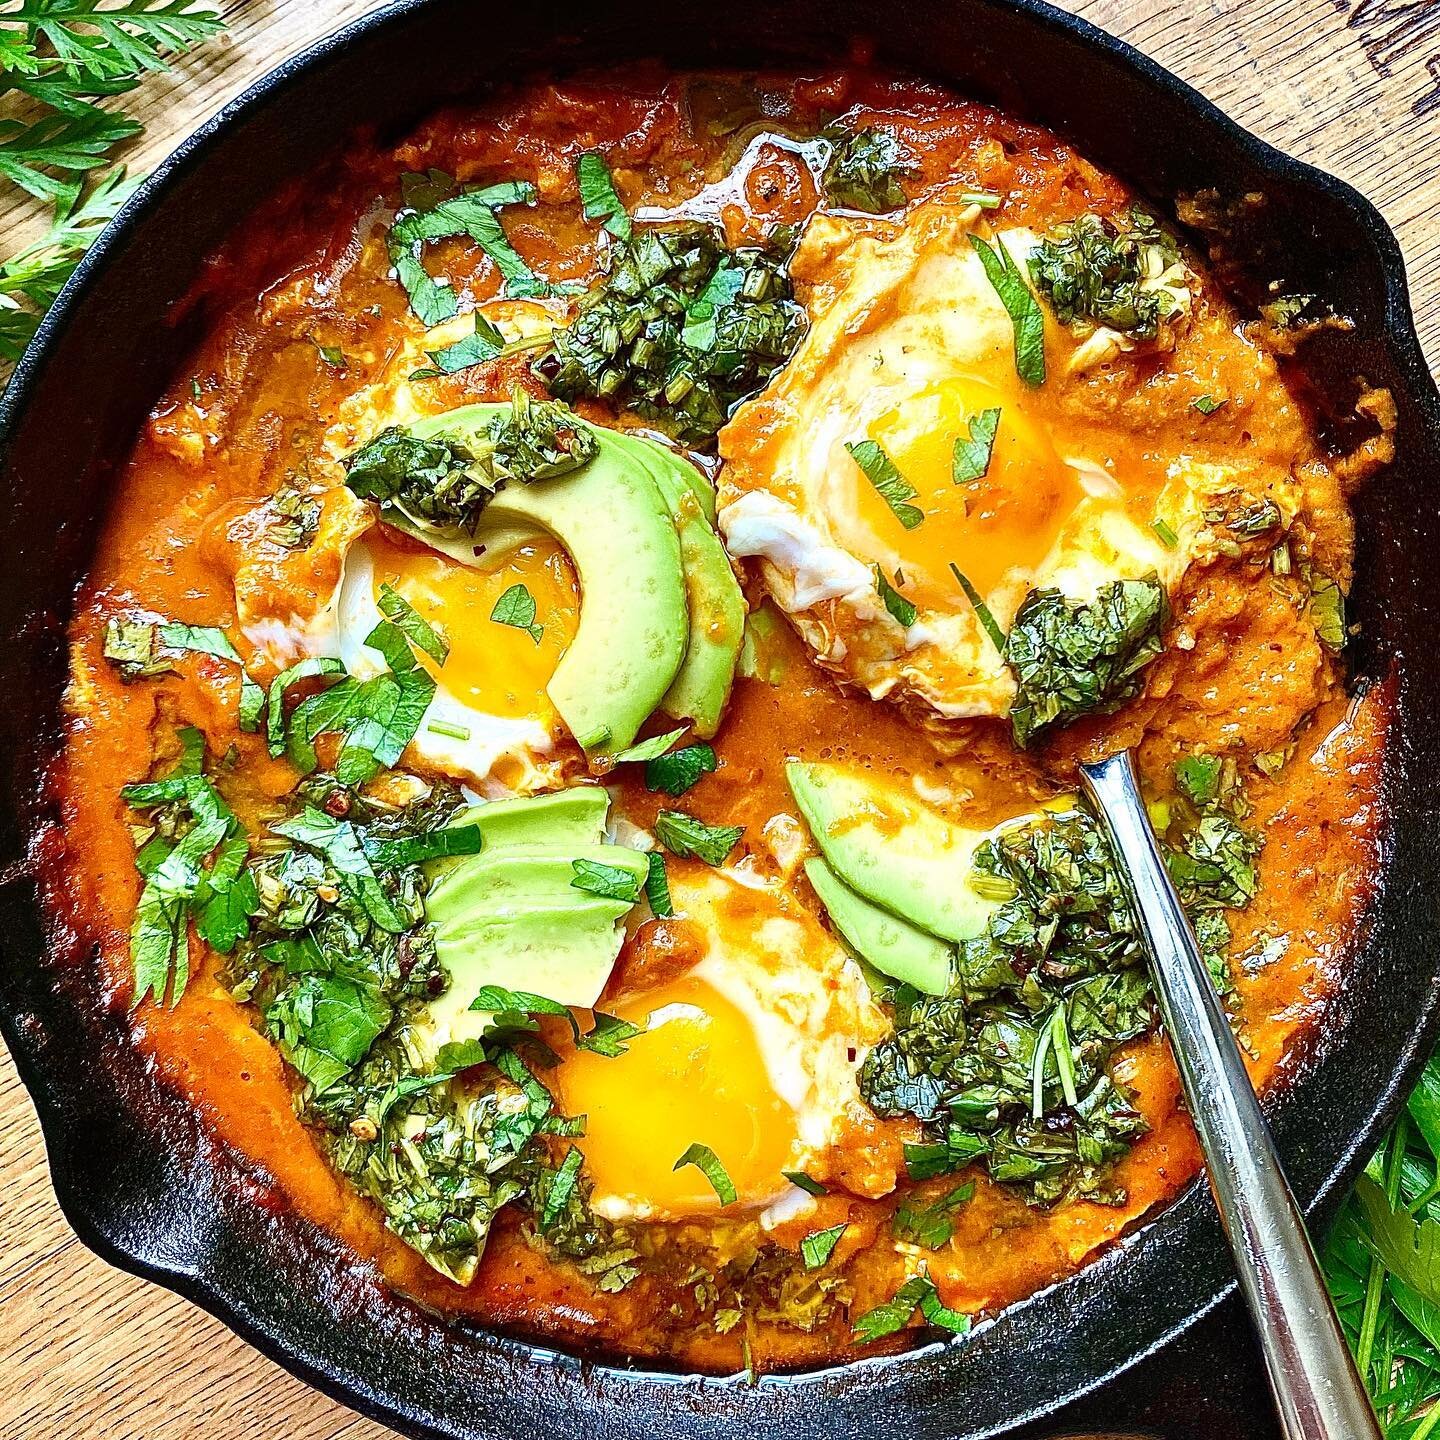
685,836
817,1247
893,488
676,772
705,1160
1072,658
1026,317
902,611
864,169
598,200
516,607
972,454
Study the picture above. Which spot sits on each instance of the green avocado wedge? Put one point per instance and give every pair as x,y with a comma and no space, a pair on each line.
892,850
634,615
893,946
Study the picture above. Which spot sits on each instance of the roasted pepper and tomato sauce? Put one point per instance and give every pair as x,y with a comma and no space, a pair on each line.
573,717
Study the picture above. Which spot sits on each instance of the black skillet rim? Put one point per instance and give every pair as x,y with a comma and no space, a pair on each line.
1403,346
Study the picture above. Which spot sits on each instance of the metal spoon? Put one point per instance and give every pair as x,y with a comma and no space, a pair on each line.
1317,1391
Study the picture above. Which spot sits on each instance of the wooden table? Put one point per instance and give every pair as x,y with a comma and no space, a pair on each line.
87,1353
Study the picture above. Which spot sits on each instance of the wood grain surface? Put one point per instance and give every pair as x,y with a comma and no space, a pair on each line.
87,1353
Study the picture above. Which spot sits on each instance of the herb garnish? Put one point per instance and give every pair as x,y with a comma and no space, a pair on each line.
608,881
902,611
516,607
1165,533
802,1181
598,200
864,169
140,650
484,343
929,1226
685,836
707,1162
412,624
972,454
983,613
676,772
1206,404
893,488
817,1247
657,887
917,1293
1026,317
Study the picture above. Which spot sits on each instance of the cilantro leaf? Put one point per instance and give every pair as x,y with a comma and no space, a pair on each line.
1026,316
817,1247
972,451
326,1025
516,607
1206,404
608,881
893,488
657,887
130,645
683,835
412,624
598,199
864,168
676,772
609,1035
704,1159
903,611
339,843
311,668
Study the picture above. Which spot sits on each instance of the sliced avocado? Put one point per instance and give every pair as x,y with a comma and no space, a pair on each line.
893,946
892,850
701,689
634,616
567,817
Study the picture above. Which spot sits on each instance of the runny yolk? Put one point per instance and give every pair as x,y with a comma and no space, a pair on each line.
695,1074
497,668
986,526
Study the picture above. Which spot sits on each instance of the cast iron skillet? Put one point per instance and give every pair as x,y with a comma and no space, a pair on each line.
135,1173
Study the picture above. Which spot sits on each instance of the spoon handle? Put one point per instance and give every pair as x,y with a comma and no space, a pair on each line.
1318,1393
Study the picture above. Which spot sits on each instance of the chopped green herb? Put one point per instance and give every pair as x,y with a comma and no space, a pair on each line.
311,668
447,728
211,640
901,610
684,835
1167,536
648,749
1327,612
704,1159
817,1247
864,169
917,1293
802,1181
676,772
988,622
1198,777
985,199
1207,404
332,355
972,452
1026,317
485,343
412,624
516,607
607,881
929,1226
890,484
609,1036
657,887
130,645
598,200
561,1188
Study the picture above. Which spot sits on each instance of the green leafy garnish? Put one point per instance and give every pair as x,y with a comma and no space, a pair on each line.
803,1182
1198,777
1026,317
1165,534
1072,658
685,836
598,200
1206,404
929,1226
705,1160
917,1293
313,667
648,749
817,1247
983,613
412,624
676,772
485,343
657,887
608,881
516,607
894,489
472,213
901,609
864,169
680,328
131,646
1103,270
140,650
1327,612
972,451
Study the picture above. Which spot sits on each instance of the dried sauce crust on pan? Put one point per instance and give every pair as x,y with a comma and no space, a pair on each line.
572,717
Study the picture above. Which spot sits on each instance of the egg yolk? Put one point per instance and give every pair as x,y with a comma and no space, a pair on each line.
1005,518
696,1073
500,669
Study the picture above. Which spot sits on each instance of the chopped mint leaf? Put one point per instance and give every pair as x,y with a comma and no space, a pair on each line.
326,1024
817,1247
800,1179
130,646
864,169
598,199
1167,536
211,640
608,881
917,1293
708,1163
1026,316
929,1226
516,607
485,343
1198,777
901,609
982,611
609,1035
439,844
677,772
1207,404
684,835
562,1187
973,450
894,489
310,668
657,887
412,624
512,1008
648,749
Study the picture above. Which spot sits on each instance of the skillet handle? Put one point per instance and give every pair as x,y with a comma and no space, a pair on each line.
1317,1391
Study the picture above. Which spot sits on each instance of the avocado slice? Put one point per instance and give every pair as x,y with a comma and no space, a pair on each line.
893,946
634,617
701,688
892,850
512,916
